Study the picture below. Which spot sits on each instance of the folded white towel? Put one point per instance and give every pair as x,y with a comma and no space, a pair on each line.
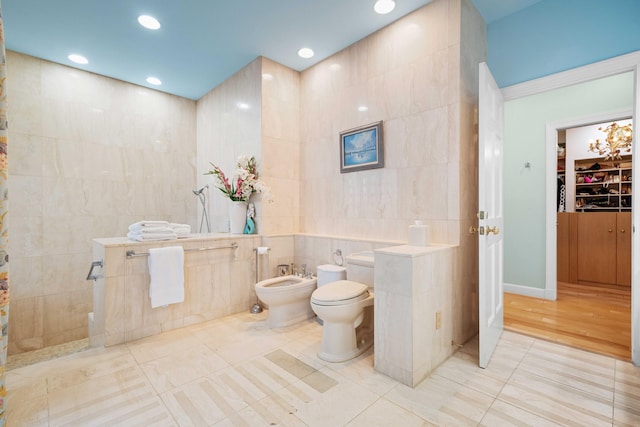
153,230
181,234
175,226
166,271
146,224
146,237
181,230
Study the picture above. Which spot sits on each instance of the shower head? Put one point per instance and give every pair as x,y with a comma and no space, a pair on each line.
199,191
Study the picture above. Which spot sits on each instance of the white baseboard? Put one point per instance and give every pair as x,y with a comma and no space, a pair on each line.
527,291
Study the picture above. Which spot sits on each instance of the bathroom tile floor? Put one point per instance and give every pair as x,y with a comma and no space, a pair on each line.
236,371
52,352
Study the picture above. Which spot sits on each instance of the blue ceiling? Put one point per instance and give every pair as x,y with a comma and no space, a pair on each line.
201,42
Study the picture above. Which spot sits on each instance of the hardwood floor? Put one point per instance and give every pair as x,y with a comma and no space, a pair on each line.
589,317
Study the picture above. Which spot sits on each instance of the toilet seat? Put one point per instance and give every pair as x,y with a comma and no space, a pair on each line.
340,293
281,282
287,298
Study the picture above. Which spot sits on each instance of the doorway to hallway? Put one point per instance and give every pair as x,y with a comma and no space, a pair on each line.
537,232
592,309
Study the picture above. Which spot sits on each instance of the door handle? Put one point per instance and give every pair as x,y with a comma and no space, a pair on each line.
482,230
477,230
495,230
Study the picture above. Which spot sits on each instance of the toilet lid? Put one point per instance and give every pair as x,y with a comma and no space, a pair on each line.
339,292
331,268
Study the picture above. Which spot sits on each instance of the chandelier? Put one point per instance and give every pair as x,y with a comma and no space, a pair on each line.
618,140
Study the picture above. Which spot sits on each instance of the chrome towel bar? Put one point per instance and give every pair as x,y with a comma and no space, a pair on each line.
234,246
91,275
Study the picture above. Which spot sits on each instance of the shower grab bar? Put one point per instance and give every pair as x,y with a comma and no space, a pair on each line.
234,246
95,264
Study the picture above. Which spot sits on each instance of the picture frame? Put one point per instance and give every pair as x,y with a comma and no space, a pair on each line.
362,148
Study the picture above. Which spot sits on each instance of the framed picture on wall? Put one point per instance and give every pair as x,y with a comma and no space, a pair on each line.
361,148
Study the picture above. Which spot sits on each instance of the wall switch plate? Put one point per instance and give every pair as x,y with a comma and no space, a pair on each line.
438,319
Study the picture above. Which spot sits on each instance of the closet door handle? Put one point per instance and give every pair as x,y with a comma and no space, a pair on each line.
611,230
622,231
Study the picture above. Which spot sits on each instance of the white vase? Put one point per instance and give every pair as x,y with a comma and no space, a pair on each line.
237,217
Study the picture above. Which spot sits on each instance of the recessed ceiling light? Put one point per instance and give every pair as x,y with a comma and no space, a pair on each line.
149,22
243,105
363,108
154,81
305,53
384,6
78,59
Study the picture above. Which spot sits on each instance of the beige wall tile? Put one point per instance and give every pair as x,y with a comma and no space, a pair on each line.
26,324
226,131
90,156
403,74
66,312
26,277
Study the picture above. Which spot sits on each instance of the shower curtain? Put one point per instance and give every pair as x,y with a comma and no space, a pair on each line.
4,227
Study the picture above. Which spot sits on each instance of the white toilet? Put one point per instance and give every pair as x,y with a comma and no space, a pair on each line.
287,298
345,308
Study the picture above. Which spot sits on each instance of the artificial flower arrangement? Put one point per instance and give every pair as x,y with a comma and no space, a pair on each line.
245,180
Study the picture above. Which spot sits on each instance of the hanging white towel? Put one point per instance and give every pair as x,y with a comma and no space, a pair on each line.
166,269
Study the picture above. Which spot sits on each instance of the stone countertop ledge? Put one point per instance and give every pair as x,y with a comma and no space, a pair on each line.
413,251
195,237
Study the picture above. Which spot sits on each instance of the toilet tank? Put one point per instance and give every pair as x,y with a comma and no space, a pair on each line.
328,273
360,267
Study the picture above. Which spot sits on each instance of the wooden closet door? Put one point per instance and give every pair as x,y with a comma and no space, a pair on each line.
563,245
623,249
597,255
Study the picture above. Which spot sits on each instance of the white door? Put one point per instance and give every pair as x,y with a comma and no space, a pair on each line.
490,219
